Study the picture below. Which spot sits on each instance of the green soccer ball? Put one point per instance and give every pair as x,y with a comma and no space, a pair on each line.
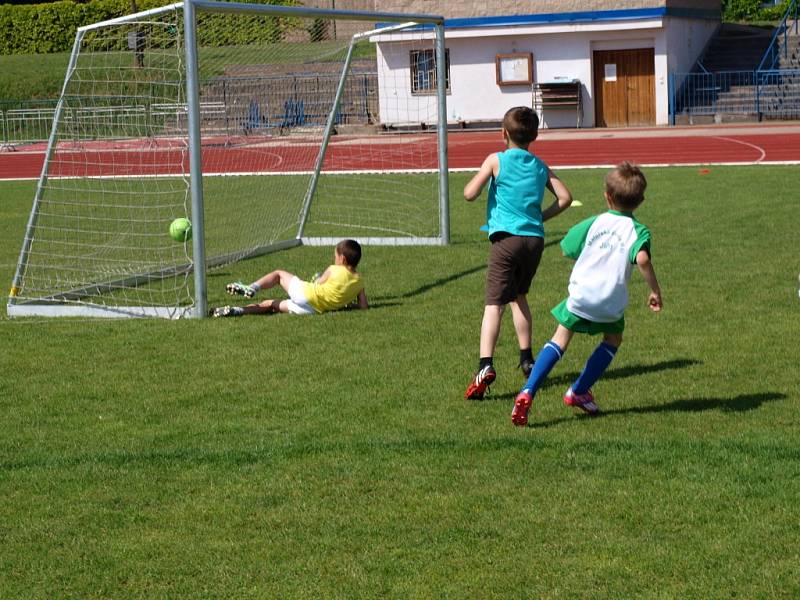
180,230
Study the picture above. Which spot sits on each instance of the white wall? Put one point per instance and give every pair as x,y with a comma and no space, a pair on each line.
556,57
558,54
475,94
686,40
398,106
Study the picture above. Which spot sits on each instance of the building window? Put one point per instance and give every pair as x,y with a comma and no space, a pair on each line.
423,71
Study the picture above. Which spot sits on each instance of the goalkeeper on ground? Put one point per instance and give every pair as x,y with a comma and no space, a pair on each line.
340,286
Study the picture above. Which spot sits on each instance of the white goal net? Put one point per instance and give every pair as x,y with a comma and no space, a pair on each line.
267,127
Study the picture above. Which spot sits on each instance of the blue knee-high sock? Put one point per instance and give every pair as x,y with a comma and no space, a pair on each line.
548,356
595,366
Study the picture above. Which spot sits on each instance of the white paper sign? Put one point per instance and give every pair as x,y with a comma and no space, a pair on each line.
611,72
514,69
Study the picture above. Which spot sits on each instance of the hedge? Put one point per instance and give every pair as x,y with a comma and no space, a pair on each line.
47,28
50,27
750,10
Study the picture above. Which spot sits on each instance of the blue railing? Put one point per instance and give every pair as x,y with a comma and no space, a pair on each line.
767,92
770,93
709,93
779,43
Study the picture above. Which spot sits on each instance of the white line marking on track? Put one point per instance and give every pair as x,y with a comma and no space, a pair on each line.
759,148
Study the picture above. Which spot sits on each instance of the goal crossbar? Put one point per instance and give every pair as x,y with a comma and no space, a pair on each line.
289,11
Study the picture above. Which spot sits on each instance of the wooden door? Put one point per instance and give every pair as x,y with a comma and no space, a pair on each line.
624,87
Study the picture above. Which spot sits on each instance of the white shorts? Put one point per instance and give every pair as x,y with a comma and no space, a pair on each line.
297,302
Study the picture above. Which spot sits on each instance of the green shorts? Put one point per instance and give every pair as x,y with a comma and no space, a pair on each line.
581,325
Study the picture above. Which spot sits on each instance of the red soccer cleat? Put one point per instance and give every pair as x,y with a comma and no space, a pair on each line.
480,383
522,404
583,401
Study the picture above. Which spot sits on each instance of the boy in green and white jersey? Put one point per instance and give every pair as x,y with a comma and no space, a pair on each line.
605,248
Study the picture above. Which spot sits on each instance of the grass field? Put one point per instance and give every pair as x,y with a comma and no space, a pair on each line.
26,77
334,456
32,76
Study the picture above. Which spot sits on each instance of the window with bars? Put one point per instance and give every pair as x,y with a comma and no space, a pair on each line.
423,71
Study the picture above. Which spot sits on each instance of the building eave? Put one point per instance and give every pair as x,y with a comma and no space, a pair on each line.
578,17
600,20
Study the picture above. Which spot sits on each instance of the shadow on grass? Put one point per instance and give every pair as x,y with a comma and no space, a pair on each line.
382,304
631,371
553,242
381,301
449,279
434,284
565,379
741,403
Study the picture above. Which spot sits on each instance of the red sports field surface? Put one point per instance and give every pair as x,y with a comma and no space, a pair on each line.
645,147
745,144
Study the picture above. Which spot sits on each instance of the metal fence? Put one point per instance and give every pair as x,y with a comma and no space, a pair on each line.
779,45
228,106
25,122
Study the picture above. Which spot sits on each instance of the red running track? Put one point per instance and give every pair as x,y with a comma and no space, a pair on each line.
644,147
466,150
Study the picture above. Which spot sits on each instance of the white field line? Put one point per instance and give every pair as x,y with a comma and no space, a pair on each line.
758,148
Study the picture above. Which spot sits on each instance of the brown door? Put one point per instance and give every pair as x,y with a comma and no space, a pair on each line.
624,87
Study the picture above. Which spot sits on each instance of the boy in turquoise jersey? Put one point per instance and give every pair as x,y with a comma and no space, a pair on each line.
340,286
514,216
605,248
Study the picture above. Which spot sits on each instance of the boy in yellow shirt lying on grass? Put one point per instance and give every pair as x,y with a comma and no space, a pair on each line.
338,287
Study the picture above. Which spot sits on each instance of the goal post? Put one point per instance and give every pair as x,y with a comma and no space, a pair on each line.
267,126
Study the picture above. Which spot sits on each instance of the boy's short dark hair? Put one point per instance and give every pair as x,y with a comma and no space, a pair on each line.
522,125
351,251
625,185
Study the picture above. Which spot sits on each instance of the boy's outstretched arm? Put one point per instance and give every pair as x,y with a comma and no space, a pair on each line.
362,300
562,194
646,269
489,167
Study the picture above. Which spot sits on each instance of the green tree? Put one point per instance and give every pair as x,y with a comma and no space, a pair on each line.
752,10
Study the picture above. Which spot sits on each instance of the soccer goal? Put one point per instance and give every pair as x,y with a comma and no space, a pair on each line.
266,126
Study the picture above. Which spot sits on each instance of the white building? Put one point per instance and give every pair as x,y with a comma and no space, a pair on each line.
621,58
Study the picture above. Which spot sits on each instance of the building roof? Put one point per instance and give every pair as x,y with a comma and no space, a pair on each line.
595,16
583,16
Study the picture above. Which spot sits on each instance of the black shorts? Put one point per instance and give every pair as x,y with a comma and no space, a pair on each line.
513,260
